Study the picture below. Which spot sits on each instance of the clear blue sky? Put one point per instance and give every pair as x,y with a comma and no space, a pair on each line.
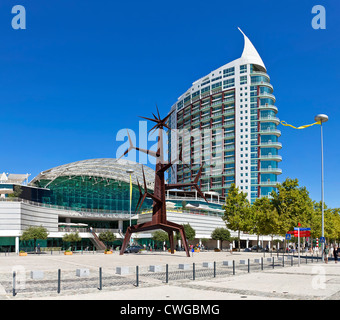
82,70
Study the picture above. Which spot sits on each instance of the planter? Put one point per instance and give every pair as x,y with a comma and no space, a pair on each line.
68,253
108,252
22,254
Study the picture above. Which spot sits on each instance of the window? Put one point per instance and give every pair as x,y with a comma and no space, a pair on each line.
243,80
228,83
228,72
243,68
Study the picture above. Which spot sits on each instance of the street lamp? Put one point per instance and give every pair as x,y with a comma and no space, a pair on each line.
130,172
322,118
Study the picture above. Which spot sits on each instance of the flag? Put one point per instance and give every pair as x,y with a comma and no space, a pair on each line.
301,127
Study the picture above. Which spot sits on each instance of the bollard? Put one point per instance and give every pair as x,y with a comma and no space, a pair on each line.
193,271
273,262
233,267
283,261
137,278
261,263
59,276
248,265
100,279
14,280
214,269
166,273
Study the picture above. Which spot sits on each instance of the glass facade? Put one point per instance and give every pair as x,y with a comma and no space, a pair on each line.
96,193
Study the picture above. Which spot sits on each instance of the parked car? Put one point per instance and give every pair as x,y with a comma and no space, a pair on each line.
256,248
133,249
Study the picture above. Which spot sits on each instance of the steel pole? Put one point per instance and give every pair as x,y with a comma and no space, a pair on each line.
322,197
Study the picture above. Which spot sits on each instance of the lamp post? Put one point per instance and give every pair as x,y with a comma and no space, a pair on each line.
130,172
322,118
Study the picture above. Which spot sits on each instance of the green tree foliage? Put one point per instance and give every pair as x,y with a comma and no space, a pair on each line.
292,204
189,231
264,218
34,233
221,234
288,206
237,215
17,191
106,237
72,237
160,236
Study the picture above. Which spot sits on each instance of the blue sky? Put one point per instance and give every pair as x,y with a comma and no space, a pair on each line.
83,70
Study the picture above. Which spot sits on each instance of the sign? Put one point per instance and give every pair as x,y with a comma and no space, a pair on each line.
288,236
322,240
302,234
302,229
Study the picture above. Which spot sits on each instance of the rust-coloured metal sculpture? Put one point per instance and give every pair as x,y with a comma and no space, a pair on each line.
159,219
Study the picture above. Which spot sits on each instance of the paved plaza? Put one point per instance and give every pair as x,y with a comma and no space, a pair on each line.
276,279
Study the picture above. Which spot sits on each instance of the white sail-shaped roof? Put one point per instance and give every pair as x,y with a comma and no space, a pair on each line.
250,54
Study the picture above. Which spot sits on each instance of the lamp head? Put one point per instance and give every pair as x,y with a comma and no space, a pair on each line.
321,118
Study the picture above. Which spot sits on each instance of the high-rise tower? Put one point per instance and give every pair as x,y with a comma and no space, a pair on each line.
227,122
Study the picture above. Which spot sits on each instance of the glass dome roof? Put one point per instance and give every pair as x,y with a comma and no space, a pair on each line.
106,168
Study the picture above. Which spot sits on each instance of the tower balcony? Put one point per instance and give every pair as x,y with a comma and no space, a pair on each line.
270,144
270,131
275,120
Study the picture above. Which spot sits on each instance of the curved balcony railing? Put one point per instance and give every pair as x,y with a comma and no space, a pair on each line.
262,83
268,183
259,73
268,107
267,95
275,132
274,157
276,120
270,170
270,144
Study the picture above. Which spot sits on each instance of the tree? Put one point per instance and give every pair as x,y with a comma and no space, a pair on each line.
264,218
331,222
237,211
160,236
71,237
221,234
106,237
293,205
34,233
17,191
189,232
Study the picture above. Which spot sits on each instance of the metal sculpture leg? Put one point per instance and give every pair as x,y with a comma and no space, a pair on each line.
171,240
126,240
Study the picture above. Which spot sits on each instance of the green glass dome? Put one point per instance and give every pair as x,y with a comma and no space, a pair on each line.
97,184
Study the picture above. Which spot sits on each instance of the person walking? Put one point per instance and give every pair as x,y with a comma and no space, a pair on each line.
231,247
336,253
326,252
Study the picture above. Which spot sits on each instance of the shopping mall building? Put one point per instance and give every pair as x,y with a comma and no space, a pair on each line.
93,196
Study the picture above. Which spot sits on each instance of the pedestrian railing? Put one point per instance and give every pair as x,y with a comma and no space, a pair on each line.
21,281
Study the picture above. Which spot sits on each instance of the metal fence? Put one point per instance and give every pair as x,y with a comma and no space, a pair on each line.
21,281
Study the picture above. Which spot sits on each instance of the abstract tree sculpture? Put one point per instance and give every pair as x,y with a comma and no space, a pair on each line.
159,219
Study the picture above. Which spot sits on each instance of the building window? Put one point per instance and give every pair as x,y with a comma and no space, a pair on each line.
243,68
228,83
228,72
243,80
